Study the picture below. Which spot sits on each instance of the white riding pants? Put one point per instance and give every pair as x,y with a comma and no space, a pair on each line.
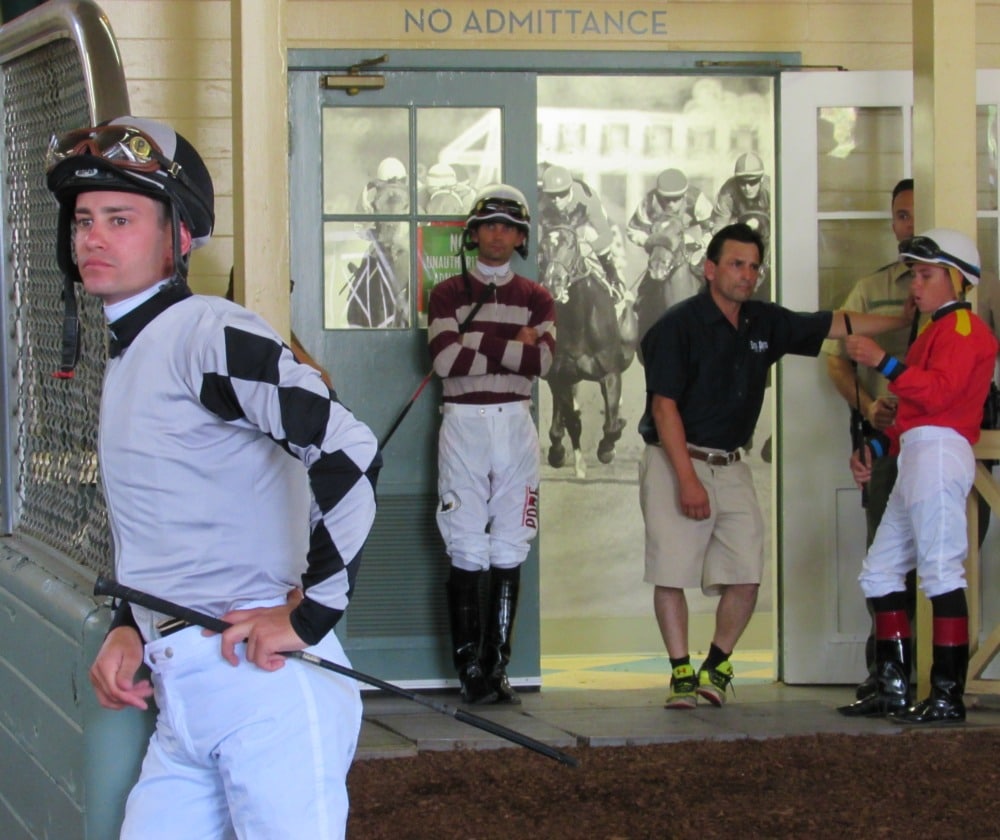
488,474
239,752
924,524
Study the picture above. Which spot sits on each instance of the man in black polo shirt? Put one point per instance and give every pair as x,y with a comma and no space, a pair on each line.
706,369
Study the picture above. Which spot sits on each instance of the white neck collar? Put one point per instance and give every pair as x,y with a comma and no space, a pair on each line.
493,272
114,311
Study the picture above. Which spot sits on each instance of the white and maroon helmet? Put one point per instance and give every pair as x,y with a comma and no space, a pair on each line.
499,201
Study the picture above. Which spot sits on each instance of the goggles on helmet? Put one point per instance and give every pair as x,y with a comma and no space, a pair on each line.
923,248
121,145
490,206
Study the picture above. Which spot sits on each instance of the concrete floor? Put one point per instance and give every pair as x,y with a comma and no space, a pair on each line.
395,727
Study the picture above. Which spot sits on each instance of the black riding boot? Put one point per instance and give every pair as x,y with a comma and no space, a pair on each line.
951,663
463,611
870,684
945,704
893,660
892,681
504,587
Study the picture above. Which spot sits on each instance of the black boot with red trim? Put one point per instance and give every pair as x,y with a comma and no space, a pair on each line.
893,658
945,703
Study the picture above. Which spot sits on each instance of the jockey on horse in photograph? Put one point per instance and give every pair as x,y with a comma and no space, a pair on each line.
597,340
567,201
378,287
746,198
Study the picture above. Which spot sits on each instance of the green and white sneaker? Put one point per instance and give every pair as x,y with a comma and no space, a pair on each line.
713,682
683,688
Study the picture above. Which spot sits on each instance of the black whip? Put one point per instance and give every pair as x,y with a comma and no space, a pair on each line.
406,410
106,586
857,418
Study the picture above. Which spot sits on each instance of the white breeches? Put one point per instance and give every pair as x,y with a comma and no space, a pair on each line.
924,524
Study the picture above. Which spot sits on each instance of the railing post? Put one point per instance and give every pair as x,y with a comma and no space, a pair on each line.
985,485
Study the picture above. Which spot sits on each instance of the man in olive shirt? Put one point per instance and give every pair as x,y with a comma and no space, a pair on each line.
883,292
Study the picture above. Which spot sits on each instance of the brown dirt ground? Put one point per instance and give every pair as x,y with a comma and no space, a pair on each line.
822,786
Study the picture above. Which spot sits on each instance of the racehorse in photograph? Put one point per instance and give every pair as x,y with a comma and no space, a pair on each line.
595,343
673,273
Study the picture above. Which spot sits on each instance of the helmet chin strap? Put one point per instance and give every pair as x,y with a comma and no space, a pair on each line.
465,267
181,261
70,351
466,244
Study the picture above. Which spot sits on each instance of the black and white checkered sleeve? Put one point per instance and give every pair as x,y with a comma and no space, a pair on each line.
255,377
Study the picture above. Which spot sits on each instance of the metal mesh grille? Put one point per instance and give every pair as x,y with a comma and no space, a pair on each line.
58,499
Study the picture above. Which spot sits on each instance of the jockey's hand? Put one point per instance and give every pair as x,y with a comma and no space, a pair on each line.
882,412
527,335
113,673
267,632
864,350
861,466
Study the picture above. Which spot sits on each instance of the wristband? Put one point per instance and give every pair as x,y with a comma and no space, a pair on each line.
879,445
890,367
122,617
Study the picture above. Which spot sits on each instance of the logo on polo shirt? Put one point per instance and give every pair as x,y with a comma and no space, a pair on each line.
758,346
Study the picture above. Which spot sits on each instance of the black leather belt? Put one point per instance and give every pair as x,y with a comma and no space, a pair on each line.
714,459
172,625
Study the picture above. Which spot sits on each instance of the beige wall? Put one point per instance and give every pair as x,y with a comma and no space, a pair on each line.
823,30
176,58
177,52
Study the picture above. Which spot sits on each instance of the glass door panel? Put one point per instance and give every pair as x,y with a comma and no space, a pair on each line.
366,228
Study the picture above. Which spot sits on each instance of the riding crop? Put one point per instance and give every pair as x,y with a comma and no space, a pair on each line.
406,410
106,586
857,418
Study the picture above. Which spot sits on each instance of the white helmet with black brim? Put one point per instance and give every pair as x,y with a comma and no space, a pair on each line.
499,201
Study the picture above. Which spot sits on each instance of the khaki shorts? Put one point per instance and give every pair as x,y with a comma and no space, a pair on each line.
683,553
